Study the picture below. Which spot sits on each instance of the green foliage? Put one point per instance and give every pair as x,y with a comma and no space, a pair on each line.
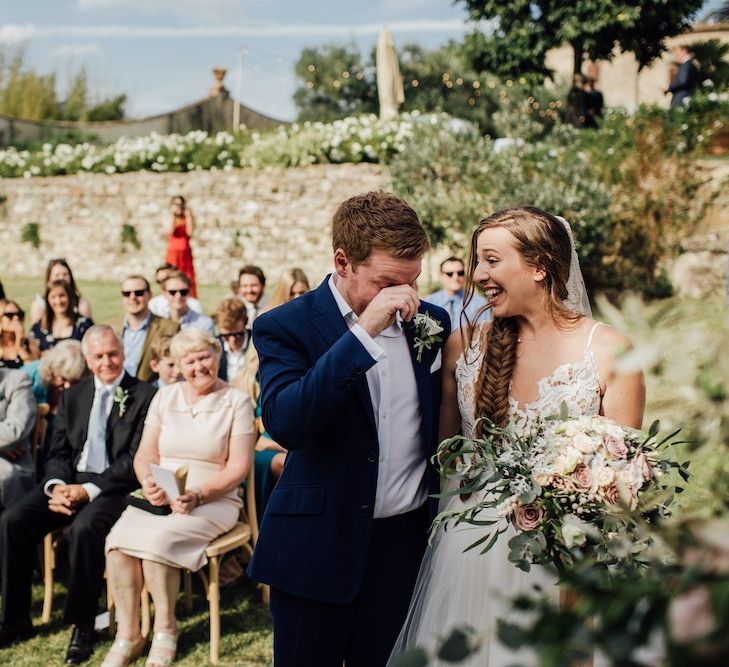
128,236
30,233
712,57
335,84
24,93
526,30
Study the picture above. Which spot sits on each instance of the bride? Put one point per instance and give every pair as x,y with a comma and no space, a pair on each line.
542,349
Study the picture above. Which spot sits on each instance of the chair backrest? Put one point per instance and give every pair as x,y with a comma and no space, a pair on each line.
38,435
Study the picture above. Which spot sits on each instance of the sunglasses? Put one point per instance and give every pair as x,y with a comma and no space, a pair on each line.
13,315
460,273
181,292
137,292
238,335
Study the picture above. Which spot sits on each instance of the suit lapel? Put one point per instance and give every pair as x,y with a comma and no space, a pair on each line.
330,324
114,418
422,379
85,401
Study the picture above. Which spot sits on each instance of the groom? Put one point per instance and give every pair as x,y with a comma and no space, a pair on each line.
342,389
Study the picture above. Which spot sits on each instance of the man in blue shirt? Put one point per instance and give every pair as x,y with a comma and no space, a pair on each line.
452,279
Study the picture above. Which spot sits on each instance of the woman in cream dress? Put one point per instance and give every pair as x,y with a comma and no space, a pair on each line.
207,425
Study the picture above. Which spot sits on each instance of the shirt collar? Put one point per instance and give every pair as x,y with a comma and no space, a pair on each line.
98,384
349,314
145,324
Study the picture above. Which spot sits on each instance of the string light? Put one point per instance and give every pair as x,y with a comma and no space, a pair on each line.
476,85
311,68
459,81
345,75
414,83
359,76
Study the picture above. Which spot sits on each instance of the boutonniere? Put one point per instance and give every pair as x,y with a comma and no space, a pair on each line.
121,396
426,333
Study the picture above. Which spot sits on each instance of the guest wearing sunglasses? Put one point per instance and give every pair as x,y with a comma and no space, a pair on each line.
158,305
231,319
176,290
16,349
450,297
141,328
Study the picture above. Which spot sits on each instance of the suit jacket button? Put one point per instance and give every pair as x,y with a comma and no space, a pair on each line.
371,458
364,510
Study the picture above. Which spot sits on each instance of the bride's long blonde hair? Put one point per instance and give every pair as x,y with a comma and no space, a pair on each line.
542,241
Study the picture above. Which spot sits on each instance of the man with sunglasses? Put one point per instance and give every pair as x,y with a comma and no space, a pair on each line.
231,319
158,305
177,290
450,297
141,328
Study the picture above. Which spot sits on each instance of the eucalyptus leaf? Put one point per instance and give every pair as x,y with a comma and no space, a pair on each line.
415,657
457,646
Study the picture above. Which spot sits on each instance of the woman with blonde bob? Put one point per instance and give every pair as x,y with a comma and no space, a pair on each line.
291,285
207,426
543,349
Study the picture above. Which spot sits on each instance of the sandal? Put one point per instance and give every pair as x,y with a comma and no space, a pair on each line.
124,652
163,650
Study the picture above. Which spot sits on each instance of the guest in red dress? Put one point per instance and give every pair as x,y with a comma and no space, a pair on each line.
180,227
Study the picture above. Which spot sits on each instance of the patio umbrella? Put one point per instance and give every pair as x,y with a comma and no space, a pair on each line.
389,81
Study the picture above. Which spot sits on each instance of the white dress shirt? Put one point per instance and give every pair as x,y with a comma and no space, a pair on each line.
91,460
401,484
161,307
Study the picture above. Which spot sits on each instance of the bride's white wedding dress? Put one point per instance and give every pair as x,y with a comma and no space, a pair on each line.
456,588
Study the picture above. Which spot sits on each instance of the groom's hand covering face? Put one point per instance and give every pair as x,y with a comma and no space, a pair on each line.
378,288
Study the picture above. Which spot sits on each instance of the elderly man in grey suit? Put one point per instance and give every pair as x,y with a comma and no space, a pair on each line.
17,418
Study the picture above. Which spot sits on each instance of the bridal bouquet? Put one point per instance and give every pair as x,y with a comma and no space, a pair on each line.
571,488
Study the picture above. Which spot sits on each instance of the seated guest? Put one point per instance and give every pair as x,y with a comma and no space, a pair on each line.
292,284
158,305
176,290
16,348
58,269
17,419
251,288
59,320
270,456
162,363
450,297
141,328
206,425
88,476
231,318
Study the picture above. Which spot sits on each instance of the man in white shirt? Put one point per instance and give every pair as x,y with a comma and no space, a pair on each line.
89,473
177,292
158,304
345,391
231,318
252,288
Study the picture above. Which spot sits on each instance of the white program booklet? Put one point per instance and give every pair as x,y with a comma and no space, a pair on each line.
171,481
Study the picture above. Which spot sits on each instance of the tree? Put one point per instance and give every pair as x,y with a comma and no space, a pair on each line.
335,84
525,30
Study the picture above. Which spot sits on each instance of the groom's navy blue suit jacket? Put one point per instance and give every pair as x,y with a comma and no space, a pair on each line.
316,528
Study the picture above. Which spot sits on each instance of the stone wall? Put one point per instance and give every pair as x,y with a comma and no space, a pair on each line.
274,218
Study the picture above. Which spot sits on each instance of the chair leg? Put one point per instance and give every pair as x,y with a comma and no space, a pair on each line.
146,613
49,557
214,598
187,579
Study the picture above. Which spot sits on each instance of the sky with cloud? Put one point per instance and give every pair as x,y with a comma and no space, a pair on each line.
161,52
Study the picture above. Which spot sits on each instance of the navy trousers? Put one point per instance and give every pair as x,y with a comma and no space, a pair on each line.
360,633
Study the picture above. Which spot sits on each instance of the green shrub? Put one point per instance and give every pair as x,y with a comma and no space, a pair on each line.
30,233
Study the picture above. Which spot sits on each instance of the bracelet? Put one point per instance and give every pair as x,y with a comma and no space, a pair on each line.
199,496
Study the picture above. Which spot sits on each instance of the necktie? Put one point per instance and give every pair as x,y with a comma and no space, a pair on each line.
96,457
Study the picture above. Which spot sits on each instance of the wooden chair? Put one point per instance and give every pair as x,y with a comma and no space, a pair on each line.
38,435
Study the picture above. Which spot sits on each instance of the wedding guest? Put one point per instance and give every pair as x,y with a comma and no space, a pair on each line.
207,425
58,269
293,283
158,305
686,79
594,103
88,476
16,349
179,225
269,456
176,290
251,288
59,321
231,319
141,327
2,294
450,296
17,419
163,364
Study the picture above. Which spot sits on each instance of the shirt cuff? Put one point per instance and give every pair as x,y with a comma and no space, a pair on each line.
373,349
92,490
51,483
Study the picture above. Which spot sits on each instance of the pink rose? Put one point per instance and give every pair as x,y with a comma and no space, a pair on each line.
690,616
527,517
616,447
643,463
582,476
612,495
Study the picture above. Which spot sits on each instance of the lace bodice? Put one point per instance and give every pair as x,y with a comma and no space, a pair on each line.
577,384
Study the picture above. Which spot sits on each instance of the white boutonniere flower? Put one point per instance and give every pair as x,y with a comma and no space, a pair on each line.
121,396
426,333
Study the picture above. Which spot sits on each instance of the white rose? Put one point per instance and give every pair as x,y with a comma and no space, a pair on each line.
573,536
584,443
605,476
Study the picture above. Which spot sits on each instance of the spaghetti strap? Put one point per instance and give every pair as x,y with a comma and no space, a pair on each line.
592,333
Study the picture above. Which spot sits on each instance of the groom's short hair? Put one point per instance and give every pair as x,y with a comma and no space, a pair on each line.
378,221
